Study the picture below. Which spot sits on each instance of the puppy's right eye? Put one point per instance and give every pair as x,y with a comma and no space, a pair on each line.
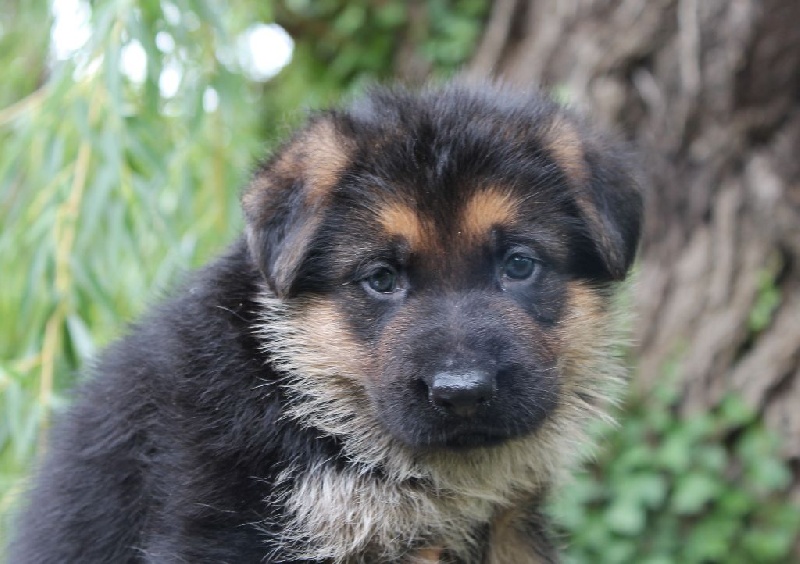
519,267
382,281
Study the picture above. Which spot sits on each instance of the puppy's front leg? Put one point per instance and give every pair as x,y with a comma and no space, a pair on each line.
520,535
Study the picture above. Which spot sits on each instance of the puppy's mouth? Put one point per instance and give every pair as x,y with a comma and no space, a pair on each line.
470,436
473,439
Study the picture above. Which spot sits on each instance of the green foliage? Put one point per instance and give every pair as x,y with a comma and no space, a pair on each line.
108,189
21,46
344,45
361,40
667,488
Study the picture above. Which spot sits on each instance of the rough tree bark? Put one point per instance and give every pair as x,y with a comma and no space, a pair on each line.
709,90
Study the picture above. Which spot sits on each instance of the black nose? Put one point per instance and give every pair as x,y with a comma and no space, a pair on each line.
461,393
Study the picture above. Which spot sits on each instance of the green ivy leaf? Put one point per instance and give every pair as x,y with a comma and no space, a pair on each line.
626,516
693,491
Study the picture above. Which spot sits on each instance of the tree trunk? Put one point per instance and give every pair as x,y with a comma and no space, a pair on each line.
709,91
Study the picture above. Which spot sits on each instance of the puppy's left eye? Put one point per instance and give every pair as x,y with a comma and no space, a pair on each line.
519,267
382,281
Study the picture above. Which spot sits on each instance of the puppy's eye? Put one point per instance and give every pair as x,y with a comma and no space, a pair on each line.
519,267
383,281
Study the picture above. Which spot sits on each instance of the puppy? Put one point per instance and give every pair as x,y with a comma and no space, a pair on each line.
394,364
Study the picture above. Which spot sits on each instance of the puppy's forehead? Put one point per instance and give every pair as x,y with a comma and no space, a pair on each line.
470,219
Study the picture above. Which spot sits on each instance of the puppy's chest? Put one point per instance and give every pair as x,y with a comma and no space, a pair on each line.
348,518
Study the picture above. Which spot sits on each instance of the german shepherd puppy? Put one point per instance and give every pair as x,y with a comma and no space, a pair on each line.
394,364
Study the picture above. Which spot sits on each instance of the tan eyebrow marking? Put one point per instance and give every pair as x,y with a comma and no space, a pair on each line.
485,210
399,219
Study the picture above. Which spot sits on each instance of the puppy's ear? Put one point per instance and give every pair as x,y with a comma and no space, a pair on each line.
606,194
285,202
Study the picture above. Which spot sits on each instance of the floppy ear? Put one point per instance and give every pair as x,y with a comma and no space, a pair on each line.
606,195
284,203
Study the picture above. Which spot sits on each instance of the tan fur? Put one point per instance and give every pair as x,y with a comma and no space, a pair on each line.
400,220
485,210
567,148
255,199
327,154
565,145
318,157
427,555
436,498
510,542
588,334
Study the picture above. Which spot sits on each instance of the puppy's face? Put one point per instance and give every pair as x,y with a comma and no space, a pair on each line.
434,252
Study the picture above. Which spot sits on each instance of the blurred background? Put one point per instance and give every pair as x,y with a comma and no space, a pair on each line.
128,127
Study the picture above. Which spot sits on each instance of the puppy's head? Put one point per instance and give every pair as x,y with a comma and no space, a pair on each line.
438,265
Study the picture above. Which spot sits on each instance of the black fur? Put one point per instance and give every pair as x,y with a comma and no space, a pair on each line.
172,449
167,453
